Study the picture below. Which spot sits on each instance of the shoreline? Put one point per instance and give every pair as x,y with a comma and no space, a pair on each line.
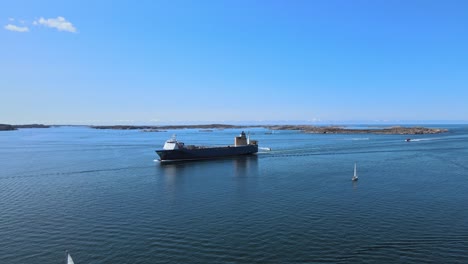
392,130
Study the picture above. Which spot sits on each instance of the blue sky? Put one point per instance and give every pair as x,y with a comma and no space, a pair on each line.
113,62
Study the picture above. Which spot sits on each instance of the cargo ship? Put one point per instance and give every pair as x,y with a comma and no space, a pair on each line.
174,150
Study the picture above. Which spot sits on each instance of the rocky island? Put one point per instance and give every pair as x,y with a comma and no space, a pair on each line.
6,127
155,128
395,130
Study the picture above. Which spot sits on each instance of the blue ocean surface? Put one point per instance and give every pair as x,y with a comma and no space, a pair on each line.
101,195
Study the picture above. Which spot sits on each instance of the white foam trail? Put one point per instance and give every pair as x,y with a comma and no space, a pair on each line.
425,139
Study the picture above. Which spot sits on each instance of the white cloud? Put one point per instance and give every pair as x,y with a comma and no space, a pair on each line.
11,19
60,23
16,28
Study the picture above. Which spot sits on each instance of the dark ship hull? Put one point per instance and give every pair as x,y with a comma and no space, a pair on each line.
201,153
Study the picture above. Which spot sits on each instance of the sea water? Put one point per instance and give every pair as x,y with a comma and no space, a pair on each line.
100,195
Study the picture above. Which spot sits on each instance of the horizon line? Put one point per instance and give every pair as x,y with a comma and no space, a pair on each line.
238,123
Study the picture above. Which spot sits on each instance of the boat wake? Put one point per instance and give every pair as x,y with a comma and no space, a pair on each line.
285,153
425,139
60,173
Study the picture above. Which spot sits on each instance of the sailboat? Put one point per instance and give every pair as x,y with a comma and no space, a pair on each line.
355,177
69,259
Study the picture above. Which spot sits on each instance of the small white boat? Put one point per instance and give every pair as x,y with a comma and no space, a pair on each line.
69,259
355,177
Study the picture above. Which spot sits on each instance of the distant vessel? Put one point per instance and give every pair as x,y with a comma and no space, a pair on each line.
355,177
174,150
408,139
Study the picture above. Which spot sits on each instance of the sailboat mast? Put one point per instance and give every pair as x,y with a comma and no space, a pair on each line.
355,170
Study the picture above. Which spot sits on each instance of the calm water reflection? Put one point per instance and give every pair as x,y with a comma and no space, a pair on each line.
100,195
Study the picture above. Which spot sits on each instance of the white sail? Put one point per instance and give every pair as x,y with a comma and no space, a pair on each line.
355,177
69,259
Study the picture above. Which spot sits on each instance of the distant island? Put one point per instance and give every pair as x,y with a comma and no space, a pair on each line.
32,126
395,130
210,126
6,127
